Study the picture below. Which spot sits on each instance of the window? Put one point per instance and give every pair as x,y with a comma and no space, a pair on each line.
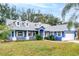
34,33
29,33
27,24
23,24
14,23
52,33
20,33
55,33
17,23
59,33
35,24
47,34
12,33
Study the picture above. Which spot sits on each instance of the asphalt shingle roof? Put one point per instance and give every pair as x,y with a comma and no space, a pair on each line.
26,25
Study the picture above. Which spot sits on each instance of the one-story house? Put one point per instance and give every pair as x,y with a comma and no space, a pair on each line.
26,30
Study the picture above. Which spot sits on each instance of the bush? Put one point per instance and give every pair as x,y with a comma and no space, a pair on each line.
4,35
50,37
47,38
5,32
38,37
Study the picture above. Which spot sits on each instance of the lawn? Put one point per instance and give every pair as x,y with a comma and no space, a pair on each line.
39,48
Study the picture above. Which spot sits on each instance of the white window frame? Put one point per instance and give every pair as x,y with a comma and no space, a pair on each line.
27,24
17,23
21,35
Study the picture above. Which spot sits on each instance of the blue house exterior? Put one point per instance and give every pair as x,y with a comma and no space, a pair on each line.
59,38
25,30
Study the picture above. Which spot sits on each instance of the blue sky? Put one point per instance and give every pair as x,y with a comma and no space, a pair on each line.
47,8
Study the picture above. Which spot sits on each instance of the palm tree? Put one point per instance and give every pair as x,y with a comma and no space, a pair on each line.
74,16
68,7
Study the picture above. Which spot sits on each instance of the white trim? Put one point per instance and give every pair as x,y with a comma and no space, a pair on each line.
27,37
14,37
43,35
21,35
30,33
47,33
52,33
17,24
14,34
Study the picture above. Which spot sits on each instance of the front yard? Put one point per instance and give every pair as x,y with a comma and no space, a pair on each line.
39,48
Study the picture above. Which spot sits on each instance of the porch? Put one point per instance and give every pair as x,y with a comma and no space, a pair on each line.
22,35
27,35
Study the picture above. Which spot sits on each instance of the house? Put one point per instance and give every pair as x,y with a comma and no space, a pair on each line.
26,30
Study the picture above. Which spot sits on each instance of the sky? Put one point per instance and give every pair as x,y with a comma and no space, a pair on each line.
46,8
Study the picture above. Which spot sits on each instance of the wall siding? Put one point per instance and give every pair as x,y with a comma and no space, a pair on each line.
58,38
63,34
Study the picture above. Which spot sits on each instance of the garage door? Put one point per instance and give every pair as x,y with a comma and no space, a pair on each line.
68,36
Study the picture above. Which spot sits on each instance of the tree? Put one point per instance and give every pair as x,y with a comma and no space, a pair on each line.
13,13
7,13
4,32
74,16
23,15
3,12
28,14
68,7
40,18
53,20
70,24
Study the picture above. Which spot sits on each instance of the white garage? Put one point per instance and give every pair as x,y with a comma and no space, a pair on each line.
68,36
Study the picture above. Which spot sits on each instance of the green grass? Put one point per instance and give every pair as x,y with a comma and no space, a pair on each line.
38,48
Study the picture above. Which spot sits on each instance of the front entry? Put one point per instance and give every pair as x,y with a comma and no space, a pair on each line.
41,33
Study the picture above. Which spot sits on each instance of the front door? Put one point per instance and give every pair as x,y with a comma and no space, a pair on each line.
41,33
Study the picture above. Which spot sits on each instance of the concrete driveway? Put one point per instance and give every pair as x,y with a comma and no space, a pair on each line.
74,41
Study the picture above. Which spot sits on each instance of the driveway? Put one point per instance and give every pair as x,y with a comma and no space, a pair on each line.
74,41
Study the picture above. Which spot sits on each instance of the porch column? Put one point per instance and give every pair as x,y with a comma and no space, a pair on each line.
38,32
50,33
14,37
43,35
27,37
32,33
23,33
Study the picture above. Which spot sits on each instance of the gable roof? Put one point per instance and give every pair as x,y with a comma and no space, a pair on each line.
27,25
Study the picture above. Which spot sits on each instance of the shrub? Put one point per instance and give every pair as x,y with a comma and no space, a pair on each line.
2,27
5,32
50,37
47,38
4,35
38,37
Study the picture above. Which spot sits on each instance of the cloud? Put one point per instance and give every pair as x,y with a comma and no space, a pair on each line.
40,5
